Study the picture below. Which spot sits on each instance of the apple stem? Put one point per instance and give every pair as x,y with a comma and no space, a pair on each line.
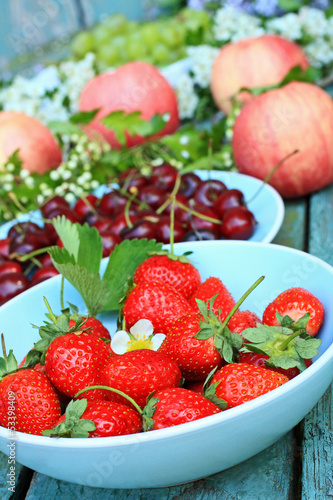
274,169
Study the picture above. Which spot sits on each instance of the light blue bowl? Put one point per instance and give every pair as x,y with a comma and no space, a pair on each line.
204,447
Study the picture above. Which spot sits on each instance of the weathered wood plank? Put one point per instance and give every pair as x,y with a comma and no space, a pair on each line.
267,476
317,478
293,231
22,479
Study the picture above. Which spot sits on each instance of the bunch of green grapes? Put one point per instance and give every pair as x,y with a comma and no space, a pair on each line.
117,40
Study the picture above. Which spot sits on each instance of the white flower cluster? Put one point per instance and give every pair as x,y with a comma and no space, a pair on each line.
187,97
44,96
202,57
232,25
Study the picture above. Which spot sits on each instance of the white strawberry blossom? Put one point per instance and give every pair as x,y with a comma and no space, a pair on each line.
140,336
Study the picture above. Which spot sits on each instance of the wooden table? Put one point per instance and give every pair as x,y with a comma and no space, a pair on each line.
299,466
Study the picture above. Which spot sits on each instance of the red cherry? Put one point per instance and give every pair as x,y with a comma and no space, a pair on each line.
132,178
10,267
120,223
109,240
208,192
85,205
11,285
141,229
101,224
238,223
164,177
196,222
4,248
180,214
112,203
22,228
44,273
200,235
151,195
26,243
53,203
46,260
229,199
163,230
189,184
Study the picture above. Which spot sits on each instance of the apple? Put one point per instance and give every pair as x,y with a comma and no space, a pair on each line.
298,116
135,86
38,149
254,62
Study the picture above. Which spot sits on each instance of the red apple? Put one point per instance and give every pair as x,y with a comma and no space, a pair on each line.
135,86
274,124
38,149
254,62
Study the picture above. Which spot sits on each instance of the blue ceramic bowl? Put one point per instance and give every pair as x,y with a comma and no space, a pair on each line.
204,447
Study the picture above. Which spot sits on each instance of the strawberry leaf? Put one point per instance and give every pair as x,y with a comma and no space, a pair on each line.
84,117
8,364
73,426
148,413
123,261
307,348
210,393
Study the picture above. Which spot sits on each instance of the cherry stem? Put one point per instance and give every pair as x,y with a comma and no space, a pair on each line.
274,169
170,197
197,214
241,300
107,388
172,213
23,258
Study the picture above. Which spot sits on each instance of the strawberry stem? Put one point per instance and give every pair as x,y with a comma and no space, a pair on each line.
284,344
107,388
52,315
3,347
241,300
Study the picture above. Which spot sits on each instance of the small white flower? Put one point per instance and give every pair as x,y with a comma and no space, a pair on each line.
140,336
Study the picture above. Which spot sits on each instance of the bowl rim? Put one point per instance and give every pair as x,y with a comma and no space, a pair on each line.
197,425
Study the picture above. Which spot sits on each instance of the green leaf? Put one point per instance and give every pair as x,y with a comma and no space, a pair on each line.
69,234
89,239
210,393
206,331
203,308
227,352
307,348
123,261
75,409
94,291
73,426
148,413
64,128
261,333
8,365
290,5
133,124
84,117
284,361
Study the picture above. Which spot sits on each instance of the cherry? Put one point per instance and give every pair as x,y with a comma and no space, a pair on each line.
142,228
84,205
44,273
132,178
151,195
46,260
180,214
208,192
101,224
196,222
10,267
11,285
24,228
199,235
112,203
229,199
238,223
26,243
3,260
109,240
163,230
163,177
189,184
4,248
120,223
55,202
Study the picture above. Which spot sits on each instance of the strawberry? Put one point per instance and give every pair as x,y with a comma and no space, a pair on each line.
74,361
96,419
242,320
238,383
257,359
28,401
139,373
175,271
209,288
199,342
170,407
295,304
158,302
93,326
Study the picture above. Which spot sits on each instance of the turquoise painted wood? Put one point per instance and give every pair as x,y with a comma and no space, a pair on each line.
22,478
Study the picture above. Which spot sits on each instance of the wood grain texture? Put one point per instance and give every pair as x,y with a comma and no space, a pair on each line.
22,479
293,231
268,475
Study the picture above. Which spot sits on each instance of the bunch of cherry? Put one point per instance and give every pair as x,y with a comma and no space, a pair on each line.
139,208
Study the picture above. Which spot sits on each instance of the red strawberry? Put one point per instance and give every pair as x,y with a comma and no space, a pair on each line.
139,373
96,419
210,287
256,359
28,402
171,407
242,320
93,326
240,382
295,303
73,362
177,272
158,302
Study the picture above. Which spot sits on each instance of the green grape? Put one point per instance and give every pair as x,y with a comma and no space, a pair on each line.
101,33
117,23
160,53
171,36
109,54
150,34
82,43
135,47
131,27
